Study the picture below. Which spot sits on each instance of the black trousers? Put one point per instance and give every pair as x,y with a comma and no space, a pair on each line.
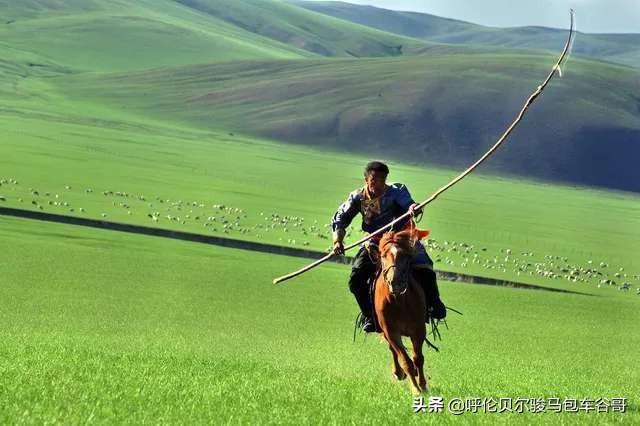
363,270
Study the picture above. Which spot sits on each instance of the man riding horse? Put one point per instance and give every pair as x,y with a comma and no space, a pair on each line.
379,204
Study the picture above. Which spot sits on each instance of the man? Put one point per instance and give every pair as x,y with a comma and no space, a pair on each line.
379,204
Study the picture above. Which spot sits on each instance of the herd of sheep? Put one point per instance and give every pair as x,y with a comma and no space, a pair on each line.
294,230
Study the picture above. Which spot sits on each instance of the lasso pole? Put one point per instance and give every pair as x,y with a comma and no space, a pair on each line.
528,102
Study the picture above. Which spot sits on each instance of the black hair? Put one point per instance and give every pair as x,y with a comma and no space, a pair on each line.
376,166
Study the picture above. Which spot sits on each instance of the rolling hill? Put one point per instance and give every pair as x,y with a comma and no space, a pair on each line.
620,48
249,68
112,35
310,31
444,108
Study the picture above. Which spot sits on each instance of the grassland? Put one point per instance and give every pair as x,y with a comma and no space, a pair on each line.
445,104
119,36
143,173
446,107
111,36
317,33
273,96
103,327
56,135
106,327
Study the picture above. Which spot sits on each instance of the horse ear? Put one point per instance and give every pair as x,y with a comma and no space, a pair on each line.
421,233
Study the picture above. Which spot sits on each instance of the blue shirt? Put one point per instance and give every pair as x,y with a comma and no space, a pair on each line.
377,212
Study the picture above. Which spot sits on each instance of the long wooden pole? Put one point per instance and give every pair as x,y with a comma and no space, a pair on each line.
528,102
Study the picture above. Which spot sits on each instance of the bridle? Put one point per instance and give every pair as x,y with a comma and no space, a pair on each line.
404,279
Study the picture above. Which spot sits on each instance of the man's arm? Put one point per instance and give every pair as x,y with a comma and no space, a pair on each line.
342,219
405,201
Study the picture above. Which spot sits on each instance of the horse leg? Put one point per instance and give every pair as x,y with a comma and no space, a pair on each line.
418,359
405,362
397,372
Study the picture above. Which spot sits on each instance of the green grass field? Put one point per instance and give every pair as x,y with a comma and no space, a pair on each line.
106,327
103,327
252,189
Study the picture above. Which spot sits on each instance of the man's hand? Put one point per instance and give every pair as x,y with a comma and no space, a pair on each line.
414,210
338,236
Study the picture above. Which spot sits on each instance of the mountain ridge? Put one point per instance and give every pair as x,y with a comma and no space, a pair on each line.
620,48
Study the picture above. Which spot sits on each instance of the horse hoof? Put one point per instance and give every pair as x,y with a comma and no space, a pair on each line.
399,376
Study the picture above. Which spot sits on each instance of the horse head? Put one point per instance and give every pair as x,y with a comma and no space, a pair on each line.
396,250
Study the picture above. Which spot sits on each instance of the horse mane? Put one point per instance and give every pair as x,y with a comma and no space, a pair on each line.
404,239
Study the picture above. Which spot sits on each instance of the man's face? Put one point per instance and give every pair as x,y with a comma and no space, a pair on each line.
376,182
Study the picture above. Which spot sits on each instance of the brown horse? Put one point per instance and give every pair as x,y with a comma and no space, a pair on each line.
400,305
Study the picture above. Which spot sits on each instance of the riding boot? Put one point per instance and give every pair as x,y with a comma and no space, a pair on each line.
435,308
361,292
364,302
359,282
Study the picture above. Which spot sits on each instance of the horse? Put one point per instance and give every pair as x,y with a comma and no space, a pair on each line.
399,304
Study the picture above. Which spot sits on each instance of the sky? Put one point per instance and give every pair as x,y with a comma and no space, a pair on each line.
592,16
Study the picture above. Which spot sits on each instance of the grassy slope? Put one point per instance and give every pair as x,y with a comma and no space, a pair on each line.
116,36
621,48
100,326
180,166
276,89
87,132
445,107
442,105
306,30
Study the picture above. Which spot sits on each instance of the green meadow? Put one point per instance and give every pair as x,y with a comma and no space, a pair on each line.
178,121
106,327
251,189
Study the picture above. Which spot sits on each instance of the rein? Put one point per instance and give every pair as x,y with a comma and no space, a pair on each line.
405,279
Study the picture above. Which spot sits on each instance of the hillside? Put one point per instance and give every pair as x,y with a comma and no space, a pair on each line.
443,108
113,35
306,30
620,48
